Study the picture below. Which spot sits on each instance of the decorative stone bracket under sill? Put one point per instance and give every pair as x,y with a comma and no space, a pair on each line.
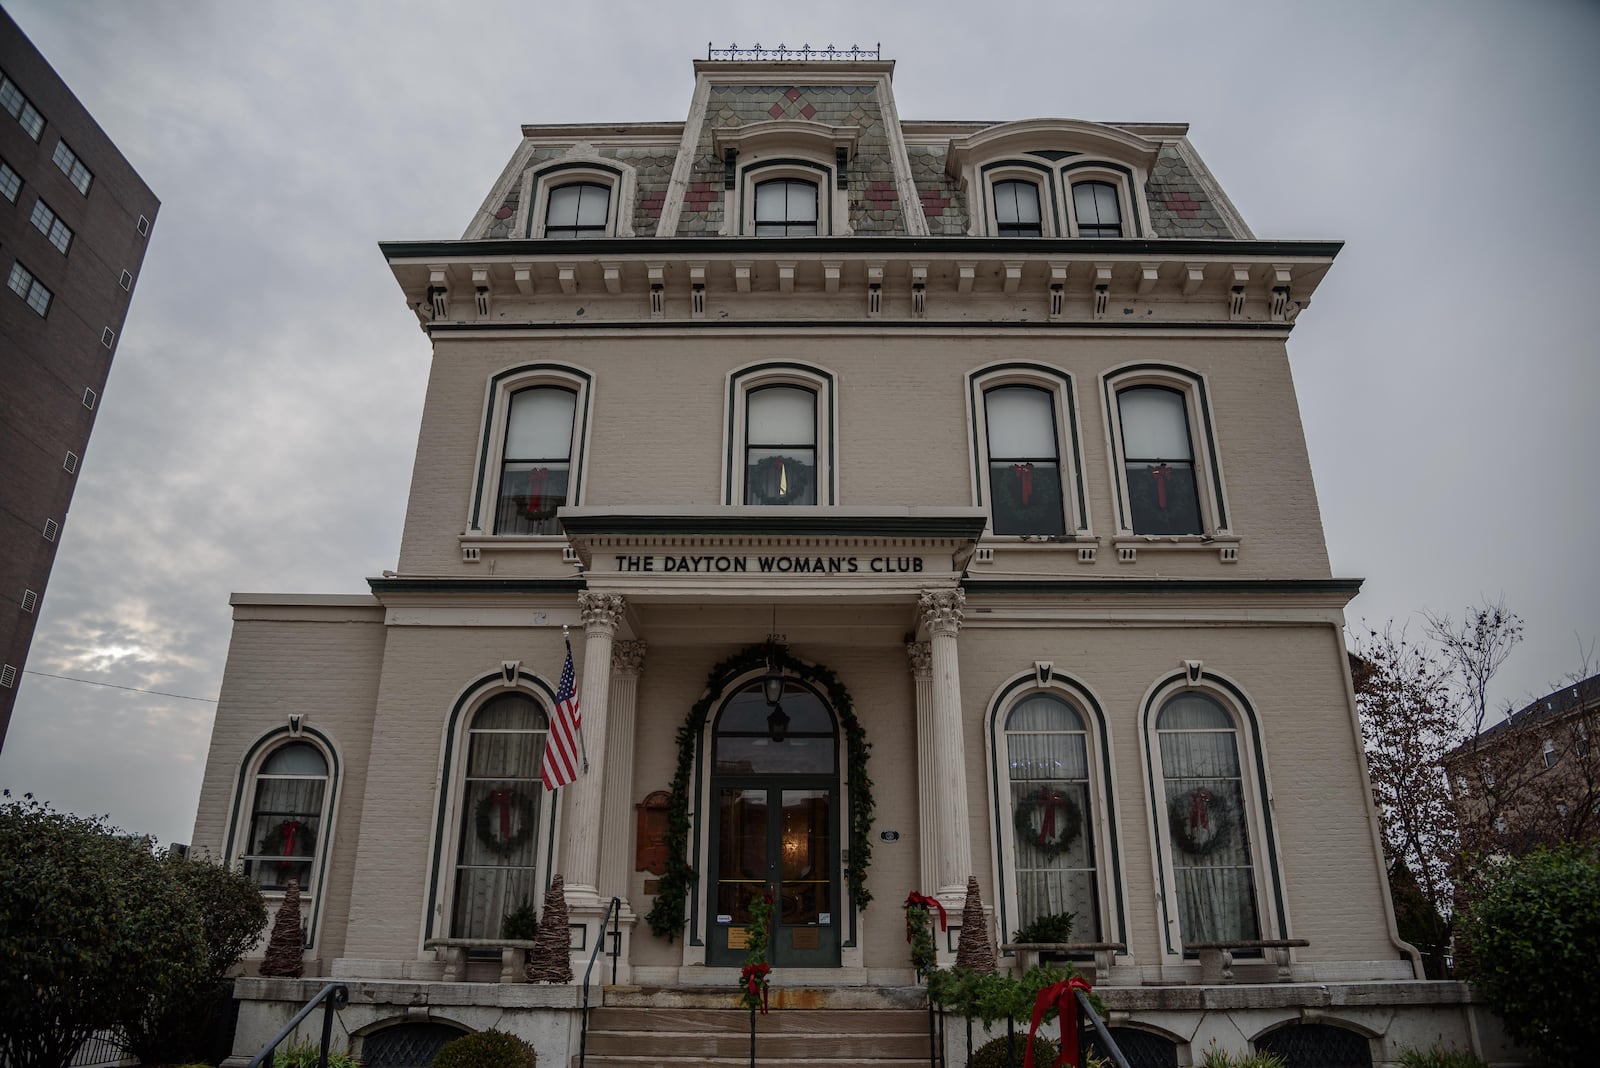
1085,545
475,544
1128,546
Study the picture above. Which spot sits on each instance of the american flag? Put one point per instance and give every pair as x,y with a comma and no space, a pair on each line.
562,750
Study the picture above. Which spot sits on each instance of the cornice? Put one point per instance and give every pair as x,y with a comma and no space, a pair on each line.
695,247
951,524
1345,588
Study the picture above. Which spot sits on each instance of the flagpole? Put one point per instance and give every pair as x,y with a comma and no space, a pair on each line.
583,750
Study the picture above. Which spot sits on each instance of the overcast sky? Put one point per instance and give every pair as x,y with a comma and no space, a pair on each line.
258,428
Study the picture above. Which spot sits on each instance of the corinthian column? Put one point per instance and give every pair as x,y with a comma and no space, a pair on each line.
627,660
921,657
580,840
941,615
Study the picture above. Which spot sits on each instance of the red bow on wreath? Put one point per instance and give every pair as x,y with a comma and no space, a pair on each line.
1061,998
1025,479
754,978
502,801
1161,473
915,900
289,828
536,481
1200,809
1049,801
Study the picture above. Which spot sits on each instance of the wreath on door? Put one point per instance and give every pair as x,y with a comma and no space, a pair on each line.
1202,822
498,812
1049,820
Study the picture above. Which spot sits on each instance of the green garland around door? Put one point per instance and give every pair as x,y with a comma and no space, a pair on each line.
667,915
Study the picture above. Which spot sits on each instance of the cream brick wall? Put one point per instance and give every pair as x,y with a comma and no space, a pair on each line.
323,662
659,413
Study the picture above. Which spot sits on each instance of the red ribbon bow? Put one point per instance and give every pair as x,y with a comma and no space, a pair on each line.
290,828
915,900
502,800
1049,801
536,480
1025,477
1161,472
754,978
1060,997
1199,809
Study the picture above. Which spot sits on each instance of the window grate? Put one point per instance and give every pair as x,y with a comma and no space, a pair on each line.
51,527
409,1045
70,464
1314,1045
144,226
30,600
126,281
8,676
108,337
1142,1049
89,397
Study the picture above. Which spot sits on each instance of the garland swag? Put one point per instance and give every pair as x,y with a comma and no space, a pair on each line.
667,915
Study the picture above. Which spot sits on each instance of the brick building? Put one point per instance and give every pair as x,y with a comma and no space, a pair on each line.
926,500
74,221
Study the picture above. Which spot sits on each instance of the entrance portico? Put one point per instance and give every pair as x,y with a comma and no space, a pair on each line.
694,585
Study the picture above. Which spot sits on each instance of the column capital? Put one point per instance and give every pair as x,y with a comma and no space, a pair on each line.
941,610
600,611
627,658
921,656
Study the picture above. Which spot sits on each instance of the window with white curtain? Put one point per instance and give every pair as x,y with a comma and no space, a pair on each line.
577,209
502,815
1052,797
780,456
786,207
1158,460
1207,820
287,816
536,464
1024,461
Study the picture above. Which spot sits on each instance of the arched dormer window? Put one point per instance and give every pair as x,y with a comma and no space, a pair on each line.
786,207
786,178
577,209
582,195
1016,209
531,452
1096,210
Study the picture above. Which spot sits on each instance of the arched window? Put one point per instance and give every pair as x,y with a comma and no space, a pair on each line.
1095,206
780,455
1158,461
502,817
1317,1045
577,209
536,464
1052,798
1024,461
1016,209
1207,819
786,207
287,817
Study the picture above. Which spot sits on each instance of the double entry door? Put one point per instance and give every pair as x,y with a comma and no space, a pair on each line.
777,835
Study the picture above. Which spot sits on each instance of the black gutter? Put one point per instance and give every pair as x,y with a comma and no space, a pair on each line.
605,247
1343,587
965,528
460,585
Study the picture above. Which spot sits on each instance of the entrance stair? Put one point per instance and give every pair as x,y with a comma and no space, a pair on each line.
805,1028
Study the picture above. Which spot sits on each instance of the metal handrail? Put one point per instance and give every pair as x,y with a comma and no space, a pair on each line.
332,998
1108,1045
614,915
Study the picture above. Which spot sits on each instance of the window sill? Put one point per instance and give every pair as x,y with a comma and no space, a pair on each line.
1128,546
474,545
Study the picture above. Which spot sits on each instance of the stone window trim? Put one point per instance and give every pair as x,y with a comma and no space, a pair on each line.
445,841
786,148
1055,181
1044,678
1062,387
618,177
492,435
236,846
1129,189
1035,173
1270,893
741,382
1193,387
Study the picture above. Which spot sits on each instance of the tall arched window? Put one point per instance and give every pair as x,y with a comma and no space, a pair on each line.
1024,461
780,453
1207,820
502,802
577,209
1053,856
287,817
1016,209
786,207
536,464
1158,460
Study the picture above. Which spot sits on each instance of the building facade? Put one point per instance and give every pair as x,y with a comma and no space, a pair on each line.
923,501
74,221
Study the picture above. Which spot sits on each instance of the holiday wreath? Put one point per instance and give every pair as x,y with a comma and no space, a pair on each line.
1025,492
547,491
293,840
1201,820
504,804
779,480
1051,834
667,915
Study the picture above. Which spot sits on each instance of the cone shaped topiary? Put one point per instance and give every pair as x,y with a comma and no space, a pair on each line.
286,946
550,961
975,949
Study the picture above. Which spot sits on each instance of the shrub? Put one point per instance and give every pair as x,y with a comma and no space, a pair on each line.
1216,1058
486,1049
521,924
992,1054
1439,1058
1532,928
305,1054
1056,927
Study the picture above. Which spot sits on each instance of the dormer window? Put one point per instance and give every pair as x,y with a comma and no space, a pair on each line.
577,209
786,207
1095,206
1016,209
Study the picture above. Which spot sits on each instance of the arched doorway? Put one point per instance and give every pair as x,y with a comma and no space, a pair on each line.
775,826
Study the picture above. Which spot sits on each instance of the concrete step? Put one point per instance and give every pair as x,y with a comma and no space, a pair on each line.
863,1048
761,1059
779,997
737,1021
